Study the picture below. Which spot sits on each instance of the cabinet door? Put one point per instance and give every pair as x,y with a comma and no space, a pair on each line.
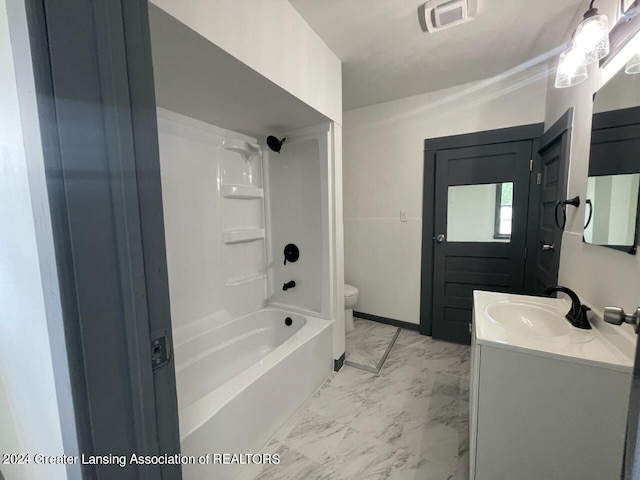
545,418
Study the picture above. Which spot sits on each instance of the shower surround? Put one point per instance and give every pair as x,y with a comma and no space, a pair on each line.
247,353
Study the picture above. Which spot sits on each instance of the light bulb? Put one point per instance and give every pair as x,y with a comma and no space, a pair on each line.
592,37
572,69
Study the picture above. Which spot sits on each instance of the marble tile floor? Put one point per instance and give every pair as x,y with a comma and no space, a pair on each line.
409,422
367,344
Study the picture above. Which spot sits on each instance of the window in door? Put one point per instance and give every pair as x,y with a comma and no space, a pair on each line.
479,213
504,211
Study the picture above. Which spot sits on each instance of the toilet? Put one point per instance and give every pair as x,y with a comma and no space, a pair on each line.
350,299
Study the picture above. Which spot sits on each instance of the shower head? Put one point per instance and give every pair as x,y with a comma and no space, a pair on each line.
274,143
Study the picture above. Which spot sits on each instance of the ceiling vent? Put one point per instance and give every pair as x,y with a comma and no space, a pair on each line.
441,14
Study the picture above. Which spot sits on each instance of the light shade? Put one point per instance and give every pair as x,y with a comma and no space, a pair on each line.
571,69
633,65
592,37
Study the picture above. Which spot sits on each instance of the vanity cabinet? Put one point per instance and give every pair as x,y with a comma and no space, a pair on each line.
542,416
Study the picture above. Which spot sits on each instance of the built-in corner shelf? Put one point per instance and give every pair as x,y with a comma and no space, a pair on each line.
247,150
242,236
241,191
247,279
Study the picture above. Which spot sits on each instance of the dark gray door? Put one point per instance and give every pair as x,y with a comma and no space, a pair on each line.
96,102
481,204
550,171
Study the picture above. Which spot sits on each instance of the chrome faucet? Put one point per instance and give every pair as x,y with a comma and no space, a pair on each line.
577,316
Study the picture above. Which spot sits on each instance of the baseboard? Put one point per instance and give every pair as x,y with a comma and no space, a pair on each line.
337,364
388,321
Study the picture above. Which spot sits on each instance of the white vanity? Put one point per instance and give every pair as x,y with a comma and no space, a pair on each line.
548,401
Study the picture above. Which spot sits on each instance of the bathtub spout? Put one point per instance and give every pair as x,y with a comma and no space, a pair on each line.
288,285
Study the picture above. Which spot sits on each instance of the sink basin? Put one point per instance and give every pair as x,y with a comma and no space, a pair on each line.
535,320
537,325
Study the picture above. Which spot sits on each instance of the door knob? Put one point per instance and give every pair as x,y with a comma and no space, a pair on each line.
440,238
546,247
617,316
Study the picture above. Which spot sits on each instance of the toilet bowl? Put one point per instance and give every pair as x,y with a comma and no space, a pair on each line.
350,299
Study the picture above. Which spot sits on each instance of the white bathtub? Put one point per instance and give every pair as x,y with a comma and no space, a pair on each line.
239,382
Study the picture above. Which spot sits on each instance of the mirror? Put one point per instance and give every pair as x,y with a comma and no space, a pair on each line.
613,186
614,200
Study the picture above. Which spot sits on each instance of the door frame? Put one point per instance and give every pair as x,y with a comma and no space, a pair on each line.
97,71
431,147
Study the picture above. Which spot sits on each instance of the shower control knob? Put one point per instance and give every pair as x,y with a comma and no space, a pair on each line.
291,253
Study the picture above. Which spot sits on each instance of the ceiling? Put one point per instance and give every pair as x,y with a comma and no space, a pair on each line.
387,56
196,78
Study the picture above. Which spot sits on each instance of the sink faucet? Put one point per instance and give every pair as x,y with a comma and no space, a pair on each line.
577,316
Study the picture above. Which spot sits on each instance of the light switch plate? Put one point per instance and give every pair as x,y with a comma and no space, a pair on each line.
403,215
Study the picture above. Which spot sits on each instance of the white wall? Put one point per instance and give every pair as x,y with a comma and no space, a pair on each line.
601,276
29,411
383,166
622,91
273,39
210,281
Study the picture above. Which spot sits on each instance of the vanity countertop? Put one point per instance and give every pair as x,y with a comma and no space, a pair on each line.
582,346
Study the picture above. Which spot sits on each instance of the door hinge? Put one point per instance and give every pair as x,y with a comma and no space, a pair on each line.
160,350
531,165
526,252
539,179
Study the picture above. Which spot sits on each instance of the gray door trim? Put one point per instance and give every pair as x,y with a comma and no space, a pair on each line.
94,81
432,145
487,137
532,217
147,158
615,118
562,125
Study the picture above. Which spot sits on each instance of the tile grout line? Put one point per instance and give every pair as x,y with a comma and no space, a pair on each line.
386,353
376,370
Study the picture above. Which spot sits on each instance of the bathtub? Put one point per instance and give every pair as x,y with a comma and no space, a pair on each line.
239,382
